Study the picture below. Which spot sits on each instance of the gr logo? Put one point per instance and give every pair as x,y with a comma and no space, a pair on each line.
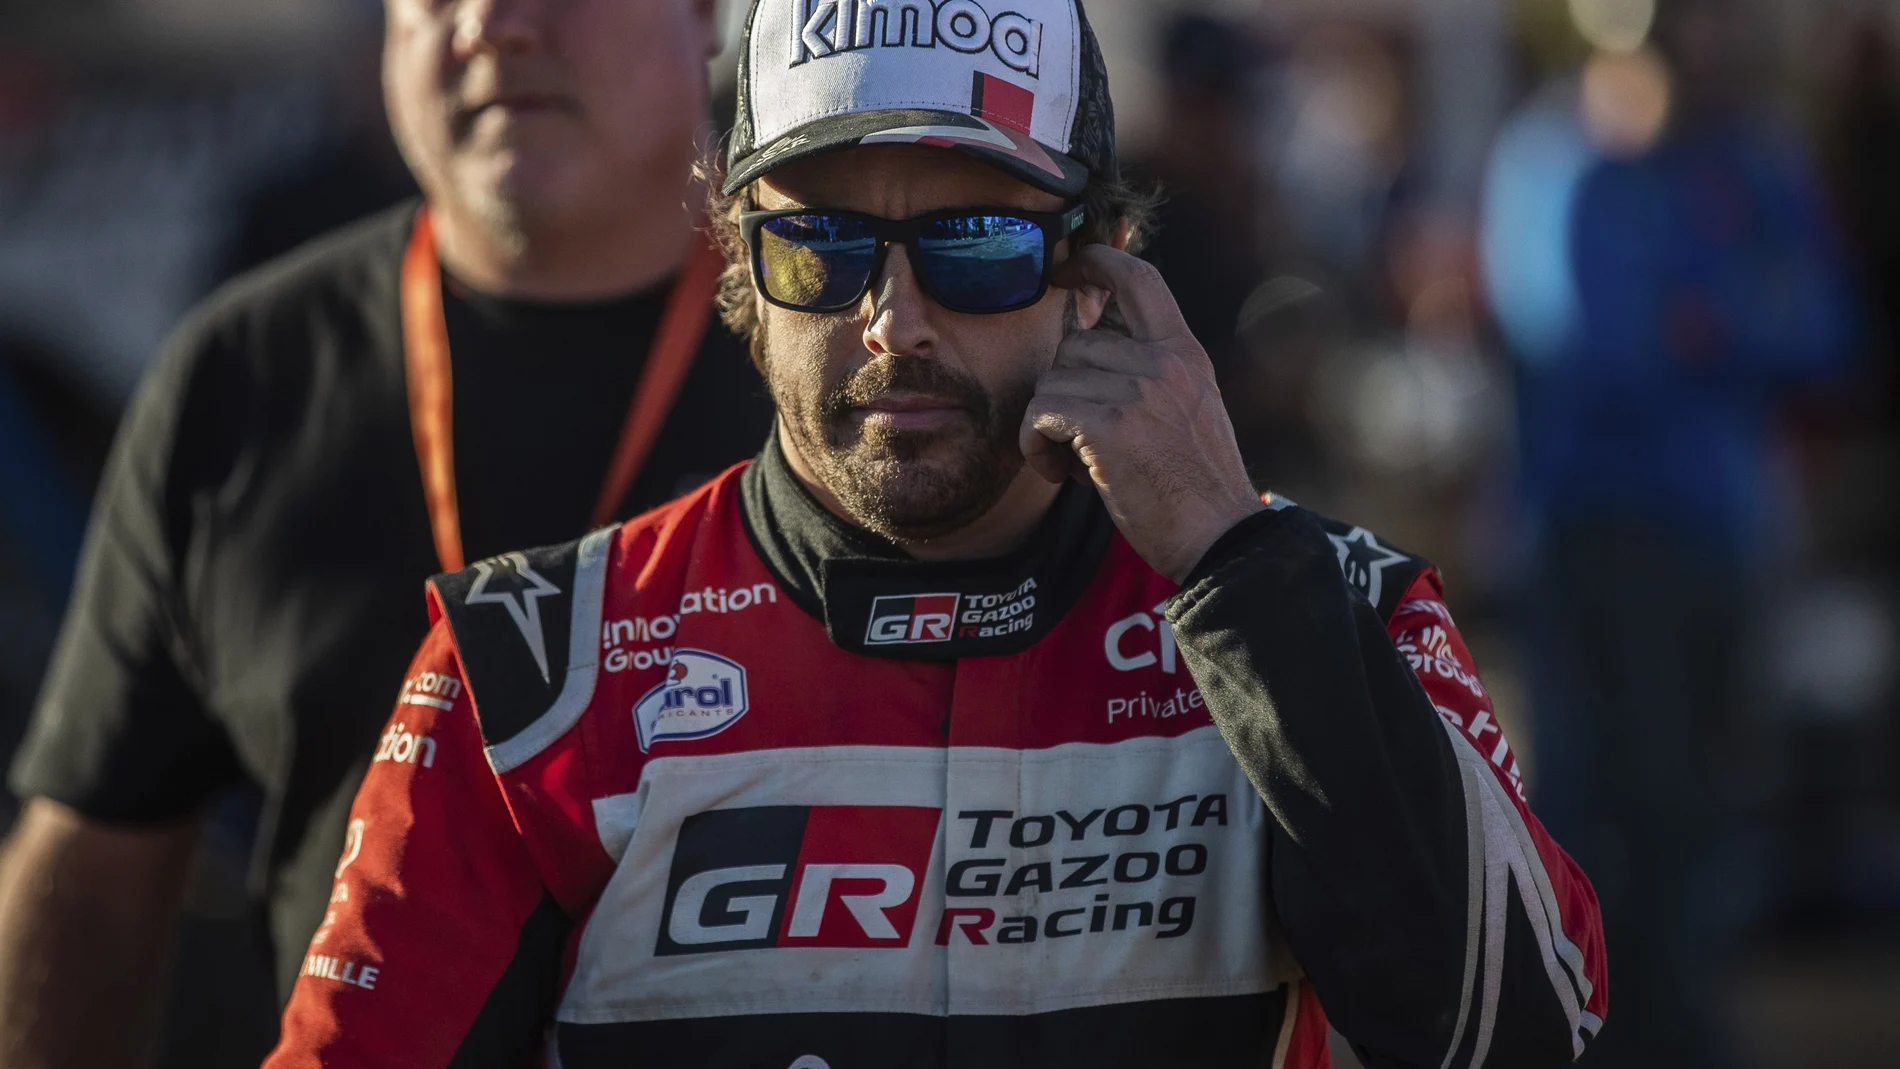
796,876
911,618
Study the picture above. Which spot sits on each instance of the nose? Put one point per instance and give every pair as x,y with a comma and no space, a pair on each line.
899,315
503,27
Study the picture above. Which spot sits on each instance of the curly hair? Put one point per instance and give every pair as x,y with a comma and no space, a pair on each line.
1107,203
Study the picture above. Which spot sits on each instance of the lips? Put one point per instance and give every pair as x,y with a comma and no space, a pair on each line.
911,412
911,403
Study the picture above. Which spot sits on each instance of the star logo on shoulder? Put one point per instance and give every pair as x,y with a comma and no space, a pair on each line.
510,582
1364,560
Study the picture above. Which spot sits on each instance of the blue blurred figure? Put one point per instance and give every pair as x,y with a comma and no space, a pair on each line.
1709,283
1663,305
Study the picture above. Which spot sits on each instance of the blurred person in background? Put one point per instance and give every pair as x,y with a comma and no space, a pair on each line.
1706,285
1207,161
1863,143
305,452
1841,874
1220,240
1345,157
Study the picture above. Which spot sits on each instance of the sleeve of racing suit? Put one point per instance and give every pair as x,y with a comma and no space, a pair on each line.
441,946
1439,924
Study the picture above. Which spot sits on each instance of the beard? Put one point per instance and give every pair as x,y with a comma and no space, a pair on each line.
910,485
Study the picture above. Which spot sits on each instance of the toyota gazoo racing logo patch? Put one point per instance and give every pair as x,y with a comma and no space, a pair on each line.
914,618
797,876
703,695
911,618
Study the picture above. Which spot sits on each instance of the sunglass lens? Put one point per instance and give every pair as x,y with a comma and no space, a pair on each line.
816,260
982,262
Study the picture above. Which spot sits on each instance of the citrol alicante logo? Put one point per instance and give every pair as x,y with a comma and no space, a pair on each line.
796,876
703,695
911,618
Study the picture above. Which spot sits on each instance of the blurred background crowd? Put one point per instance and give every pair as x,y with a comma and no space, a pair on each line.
1595,303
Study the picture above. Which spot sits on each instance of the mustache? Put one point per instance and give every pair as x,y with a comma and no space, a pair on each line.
887,375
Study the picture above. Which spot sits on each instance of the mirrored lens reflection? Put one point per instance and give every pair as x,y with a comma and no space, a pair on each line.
982,261
818,261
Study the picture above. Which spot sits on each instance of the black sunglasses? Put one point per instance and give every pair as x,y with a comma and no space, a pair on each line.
973,260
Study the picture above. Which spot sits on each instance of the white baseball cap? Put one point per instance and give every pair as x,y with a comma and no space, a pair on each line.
1017,83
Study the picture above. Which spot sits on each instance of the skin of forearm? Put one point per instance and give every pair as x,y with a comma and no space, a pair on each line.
87,913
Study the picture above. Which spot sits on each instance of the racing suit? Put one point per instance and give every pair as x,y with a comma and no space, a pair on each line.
736,784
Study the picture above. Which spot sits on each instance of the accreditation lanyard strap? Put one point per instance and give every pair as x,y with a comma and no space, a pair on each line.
425,339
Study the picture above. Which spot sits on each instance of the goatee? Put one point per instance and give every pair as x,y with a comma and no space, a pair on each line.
914,485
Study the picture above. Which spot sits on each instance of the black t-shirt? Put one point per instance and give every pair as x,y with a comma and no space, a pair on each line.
541,394
251,589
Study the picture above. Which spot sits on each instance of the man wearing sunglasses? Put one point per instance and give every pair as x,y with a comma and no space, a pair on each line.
989,718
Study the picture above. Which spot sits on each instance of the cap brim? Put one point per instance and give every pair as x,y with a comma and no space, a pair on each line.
1003,147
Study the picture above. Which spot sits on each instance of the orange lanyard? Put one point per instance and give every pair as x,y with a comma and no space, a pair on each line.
425,339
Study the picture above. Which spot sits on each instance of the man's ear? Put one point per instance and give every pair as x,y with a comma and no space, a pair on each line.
1120,241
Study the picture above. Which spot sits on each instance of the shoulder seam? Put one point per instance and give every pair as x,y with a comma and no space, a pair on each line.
583,660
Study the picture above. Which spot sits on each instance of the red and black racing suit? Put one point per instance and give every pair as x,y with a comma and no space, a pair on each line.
737,785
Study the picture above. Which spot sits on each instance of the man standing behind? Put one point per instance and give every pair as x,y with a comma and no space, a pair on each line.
306,452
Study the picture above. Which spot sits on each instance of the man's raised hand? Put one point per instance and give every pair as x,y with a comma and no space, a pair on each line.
1141,417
